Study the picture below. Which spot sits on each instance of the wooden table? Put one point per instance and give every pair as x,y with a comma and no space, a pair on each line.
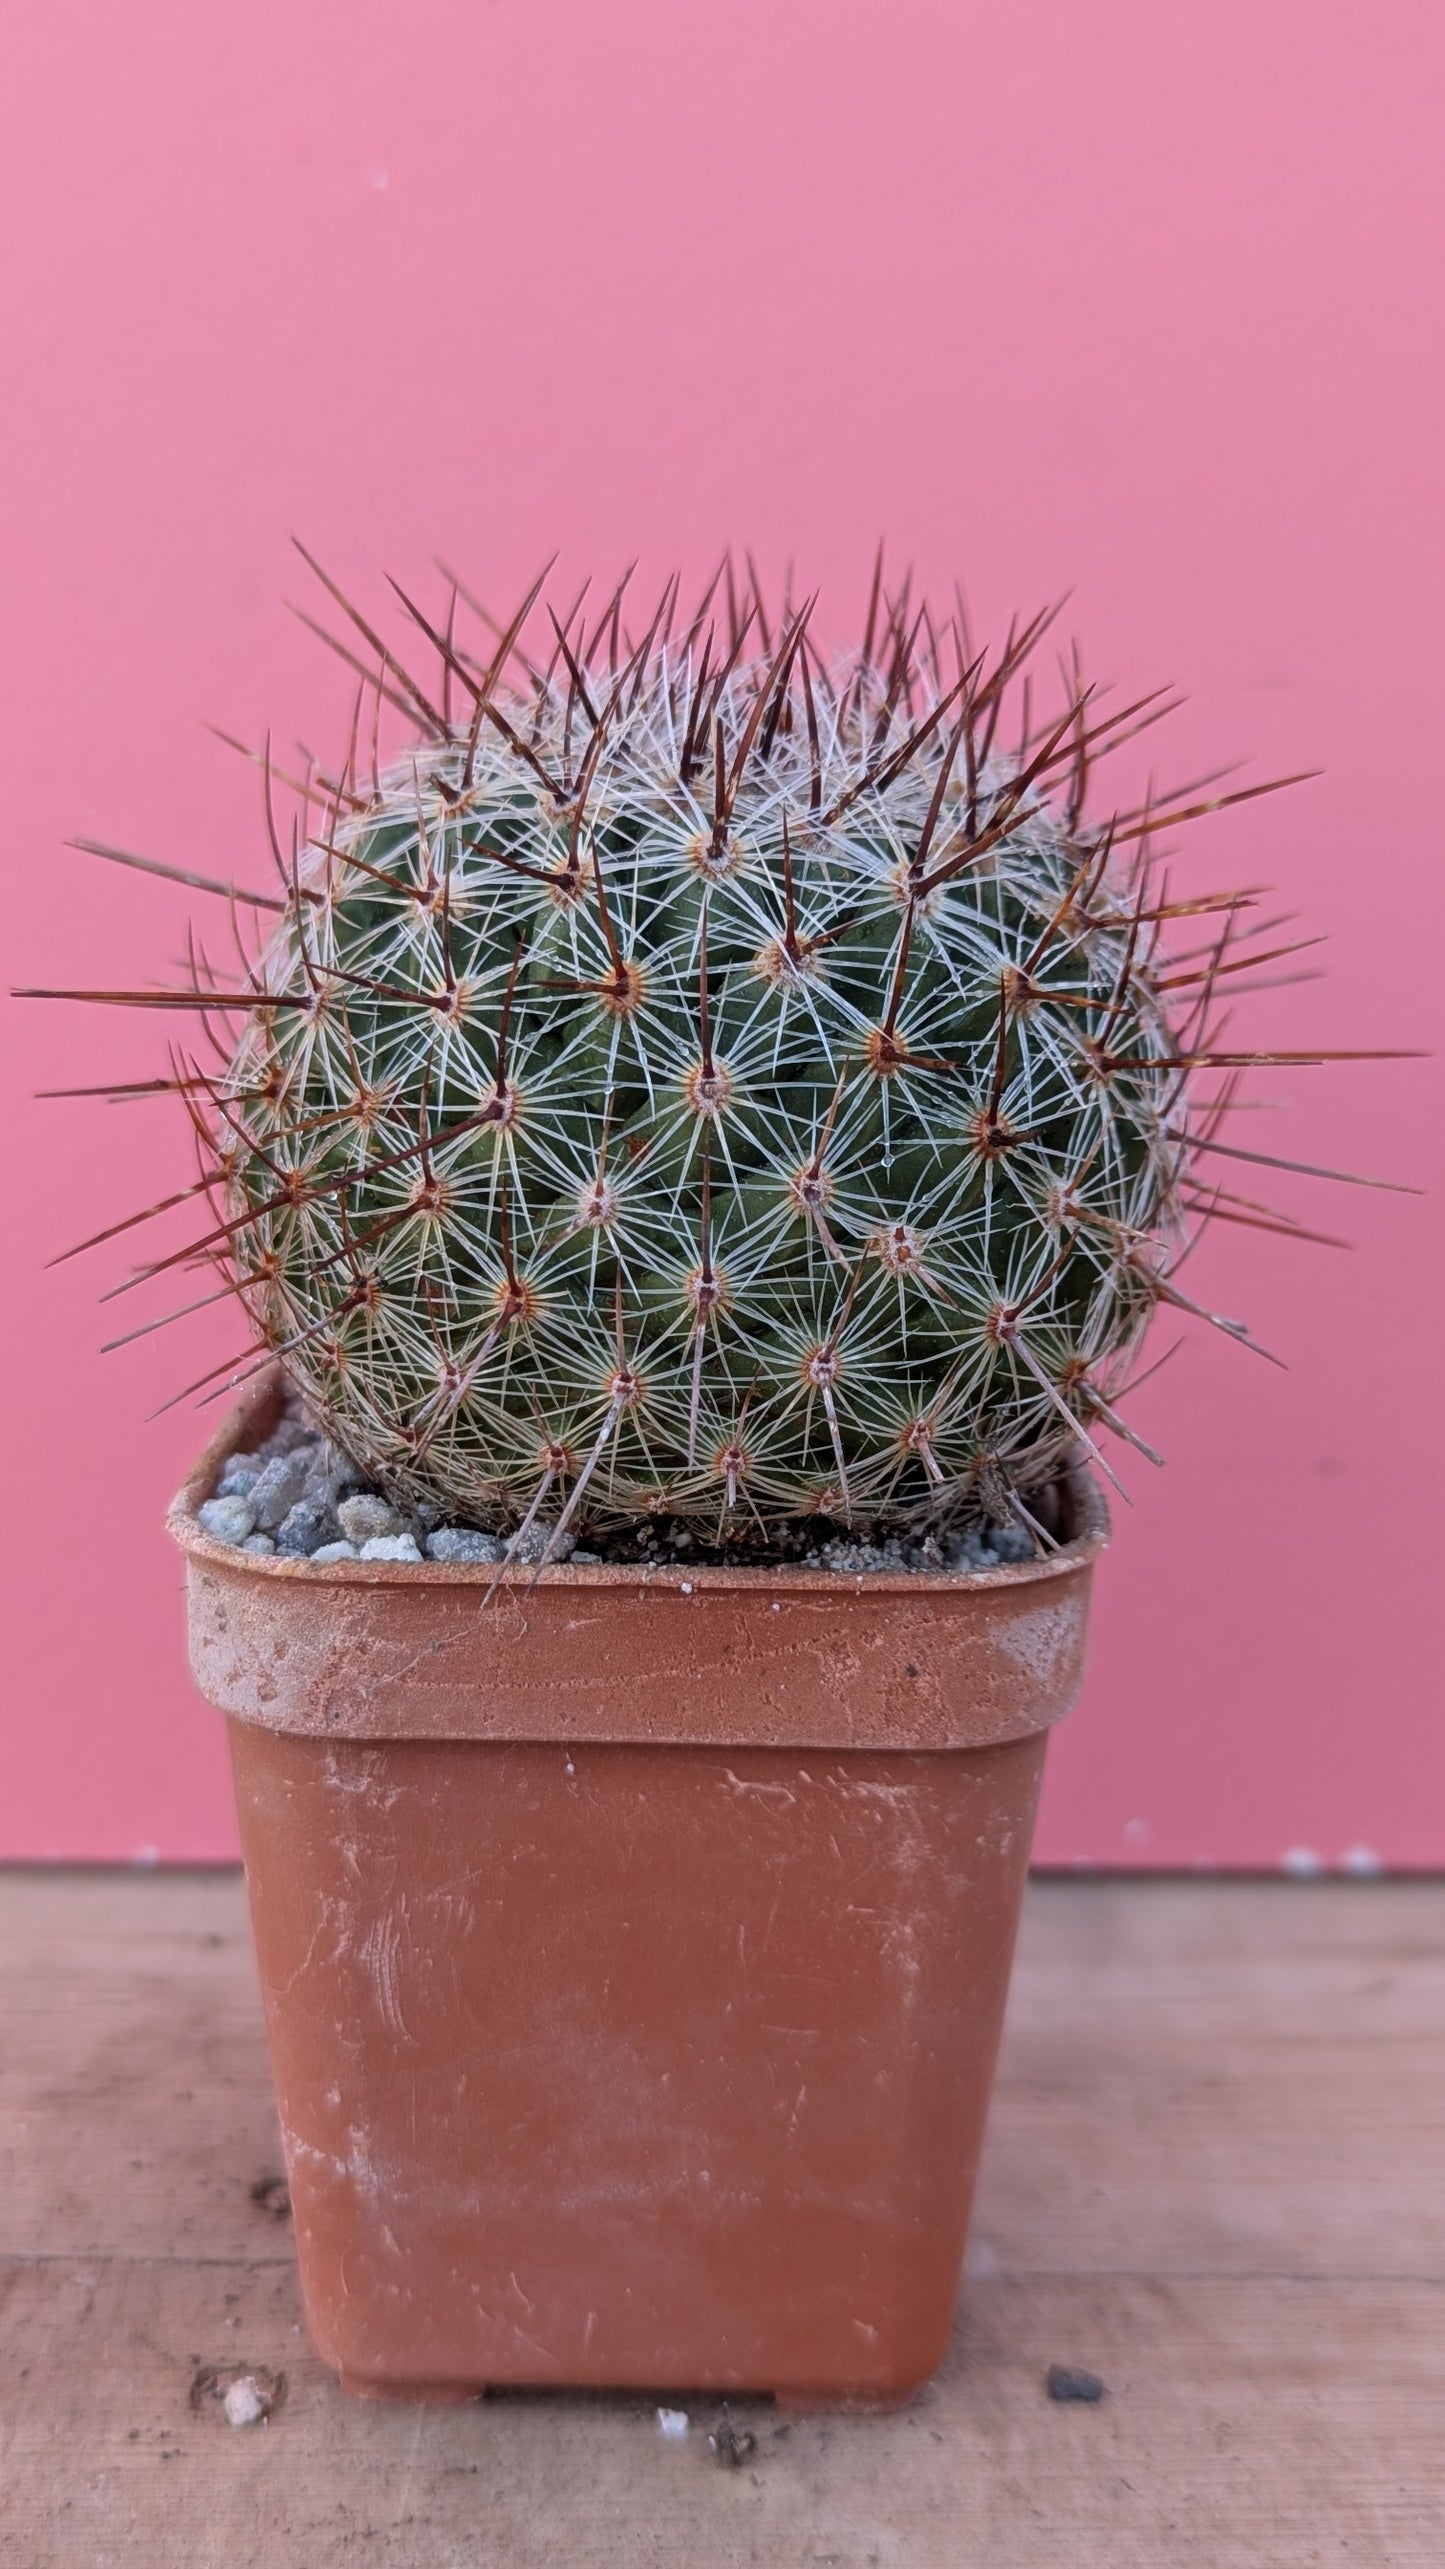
1216,2176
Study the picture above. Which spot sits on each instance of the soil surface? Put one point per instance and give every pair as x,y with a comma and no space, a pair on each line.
299,1495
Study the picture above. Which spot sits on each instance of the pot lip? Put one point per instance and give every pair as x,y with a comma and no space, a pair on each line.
677,1578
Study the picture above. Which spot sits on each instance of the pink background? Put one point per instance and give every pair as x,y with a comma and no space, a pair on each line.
1140,300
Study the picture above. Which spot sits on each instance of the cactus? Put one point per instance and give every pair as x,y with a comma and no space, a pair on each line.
699,1077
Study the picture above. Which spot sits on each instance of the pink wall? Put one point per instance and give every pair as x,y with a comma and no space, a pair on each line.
1141,299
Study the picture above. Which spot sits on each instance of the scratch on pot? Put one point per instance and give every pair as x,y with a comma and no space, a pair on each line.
745,1784
377,1952
327,1918
453,1909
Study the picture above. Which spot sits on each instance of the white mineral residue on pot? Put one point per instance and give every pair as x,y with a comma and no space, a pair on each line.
750,1784
1039,1638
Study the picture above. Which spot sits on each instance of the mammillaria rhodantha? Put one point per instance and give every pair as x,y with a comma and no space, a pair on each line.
705,1077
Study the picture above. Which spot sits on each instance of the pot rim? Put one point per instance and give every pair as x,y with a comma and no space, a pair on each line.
1092,1535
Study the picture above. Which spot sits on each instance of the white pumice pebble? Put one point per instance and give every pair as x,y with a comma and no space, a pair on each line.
542,1542
459,1544
366,1516
275,1491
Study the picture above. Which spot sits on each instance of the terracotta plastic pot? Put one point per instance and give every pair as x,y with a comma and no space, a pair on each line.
634,1948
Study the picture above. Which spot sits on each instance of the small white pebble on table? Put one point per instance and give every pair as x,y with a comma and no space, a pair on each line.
245,2404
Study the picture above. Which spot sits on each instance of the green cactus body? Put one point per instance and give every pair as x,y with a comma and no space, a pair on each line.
729,1092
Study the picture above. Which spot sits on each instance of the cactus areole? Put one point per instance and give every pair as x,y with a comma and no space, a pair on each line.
704,1077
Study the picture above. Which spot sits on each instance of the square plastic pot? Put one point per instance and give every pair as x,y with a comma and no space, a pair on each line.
634,1948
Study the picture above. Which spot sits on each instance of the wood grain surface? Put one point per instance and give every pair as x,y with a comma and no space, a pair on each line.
1214,2177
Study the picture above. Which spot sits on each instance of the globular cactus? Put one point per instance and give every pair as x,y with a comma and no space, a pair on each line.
701,1077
